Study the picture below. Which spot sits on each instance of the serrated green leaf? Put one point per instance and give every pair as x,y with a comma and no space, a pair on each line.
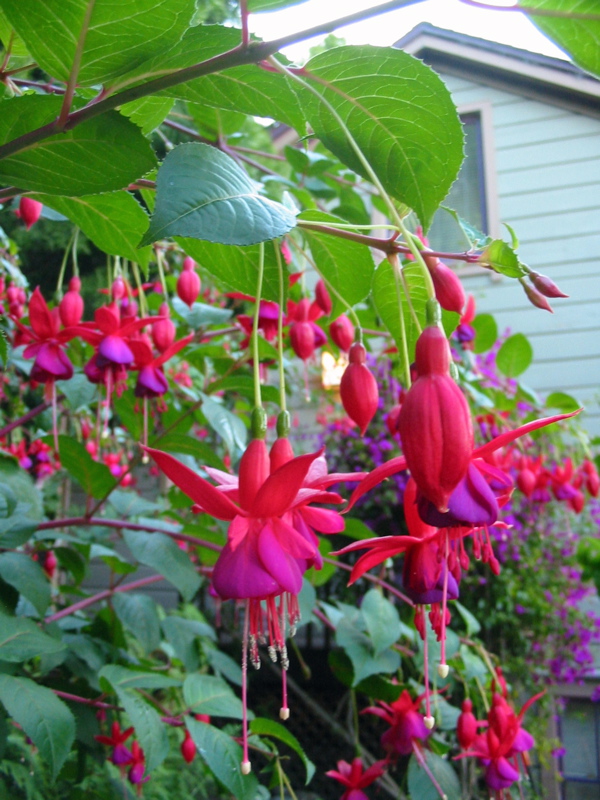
347,266
267,727
138,615
78,391
148,112
229,426
189,446
72,163
419,782
207,694
503,259
115,222
578,36
486,332
119,37
183,634
95,478
44,718
400,114
201,314
203,193
149,728
122,679
21,639
514,356
382,620
358,647
472,623
223,757
27,577
386,296
162,554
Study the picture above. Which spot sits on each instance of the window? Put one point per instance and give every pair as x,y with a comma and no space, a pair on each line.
468,195
580,764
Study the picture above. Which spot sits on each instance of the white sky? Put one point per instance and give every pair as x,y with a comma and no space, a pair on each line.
507,27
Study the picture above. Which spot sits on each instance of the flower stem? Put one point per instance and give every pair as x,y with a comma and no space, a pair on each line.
255,355
282,398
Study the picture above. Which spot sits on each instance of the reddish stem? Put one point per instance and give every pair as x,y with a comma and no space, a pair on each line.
74,698
26,417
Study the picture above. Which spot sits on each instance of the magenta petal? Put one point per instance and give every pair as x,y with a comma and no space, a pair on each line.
500,774
323,520
523,741
281,566
213,501
151,382
279,491
240,574
116,350
375,477
53,360
291,541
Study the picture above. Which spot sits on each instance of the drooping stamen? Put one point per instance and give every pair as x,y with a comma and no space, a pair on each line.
245,765
284,711
54,416
423,764
442,666
145,457
428,718
105,432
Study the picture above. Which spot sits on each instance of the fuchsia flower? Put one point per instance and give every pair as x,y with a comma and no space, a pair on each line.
305,334
120,755
151,381
47,342
270,541
358,388
355,777
405,721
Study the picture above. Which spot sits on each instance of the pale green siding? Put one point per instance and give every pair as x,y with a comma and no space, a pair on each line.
547,167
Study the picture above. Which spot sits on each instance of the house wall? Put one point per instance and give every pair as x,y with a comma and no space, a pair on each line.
546,162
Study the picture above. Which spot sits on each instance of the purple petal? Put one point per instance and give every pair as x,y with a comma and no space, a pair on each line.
240,574
281,566
116,350
151,382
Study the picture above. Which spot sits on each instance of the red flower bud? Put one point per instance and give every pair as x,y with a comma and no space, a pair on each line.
322,297
535,298
118,289
466,727
188,283
545,286
526,481
29,211
188,748
341,331
449,291
358,389
435,422
71,306
302,339
163,331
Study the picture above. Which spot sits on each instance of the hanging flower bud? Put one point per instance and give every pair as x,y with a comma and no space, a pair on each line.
29,211
322,297
392,419
449,291
358,388
526,481
341,331
545,286
188,283
592,480
71,306
466,727
535,298
302,331
435,422
163,331
118,289
188,748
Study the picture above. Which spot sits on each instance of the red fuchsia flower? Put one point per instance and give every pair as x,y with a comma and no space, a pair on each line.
449,291
188,282
405,721
465,332
305,334
71,306
341,331
135,775
501,745
435,422
591,477
268,316
466,726
356,778
163,331
266,554
151,381
358,388
323,299
188,748
121,755
29,211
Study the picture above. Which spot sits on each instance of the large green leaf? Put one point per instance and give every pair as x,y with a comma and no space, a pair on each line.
123,679
21,639
236,268
271,5
419,782
162,554
150,729
103,154
95,478
401,115
114,221
223,755
44,718
359,649
27,577
514,356
579,36
207,694
119,37
183,634
347,266
268,727
203,193
382,620
228,425
386,296
247,88
138,614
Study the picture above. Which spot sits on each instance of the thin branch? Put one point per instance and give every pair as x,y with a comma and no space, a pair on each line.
374,579
74,698
27,417
72,82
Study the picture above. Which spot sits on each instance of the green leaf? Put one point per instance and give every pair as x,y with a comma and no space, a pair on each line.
346,265
224,665
138,615
244,385
148,112
149,728
44,718
4,348
189,446
385,298
229,426
201,314
16,529
486,332
119,37
514,356
473,665
223,757
358,647
207,694
400,114
95,478
564,402
503,259
182,634
203,193
271,5
162,554
579,37
27,577
382,620
267,727
122,679
21,639
235,267
21,485
420,786
473,626
356,529
78,391
114,222
130,504
74,162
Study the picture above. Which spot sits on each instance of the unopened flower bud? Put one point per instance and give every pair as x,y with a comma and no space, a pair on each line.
449,291
29,211
163,331
118,289
341,331
545,286
466,726
322,297
358,388
188,283
535,298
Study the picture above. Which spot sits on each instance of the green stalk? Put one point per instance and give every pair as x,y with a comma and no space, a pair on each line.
405,359
63,265
256,366
282,398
